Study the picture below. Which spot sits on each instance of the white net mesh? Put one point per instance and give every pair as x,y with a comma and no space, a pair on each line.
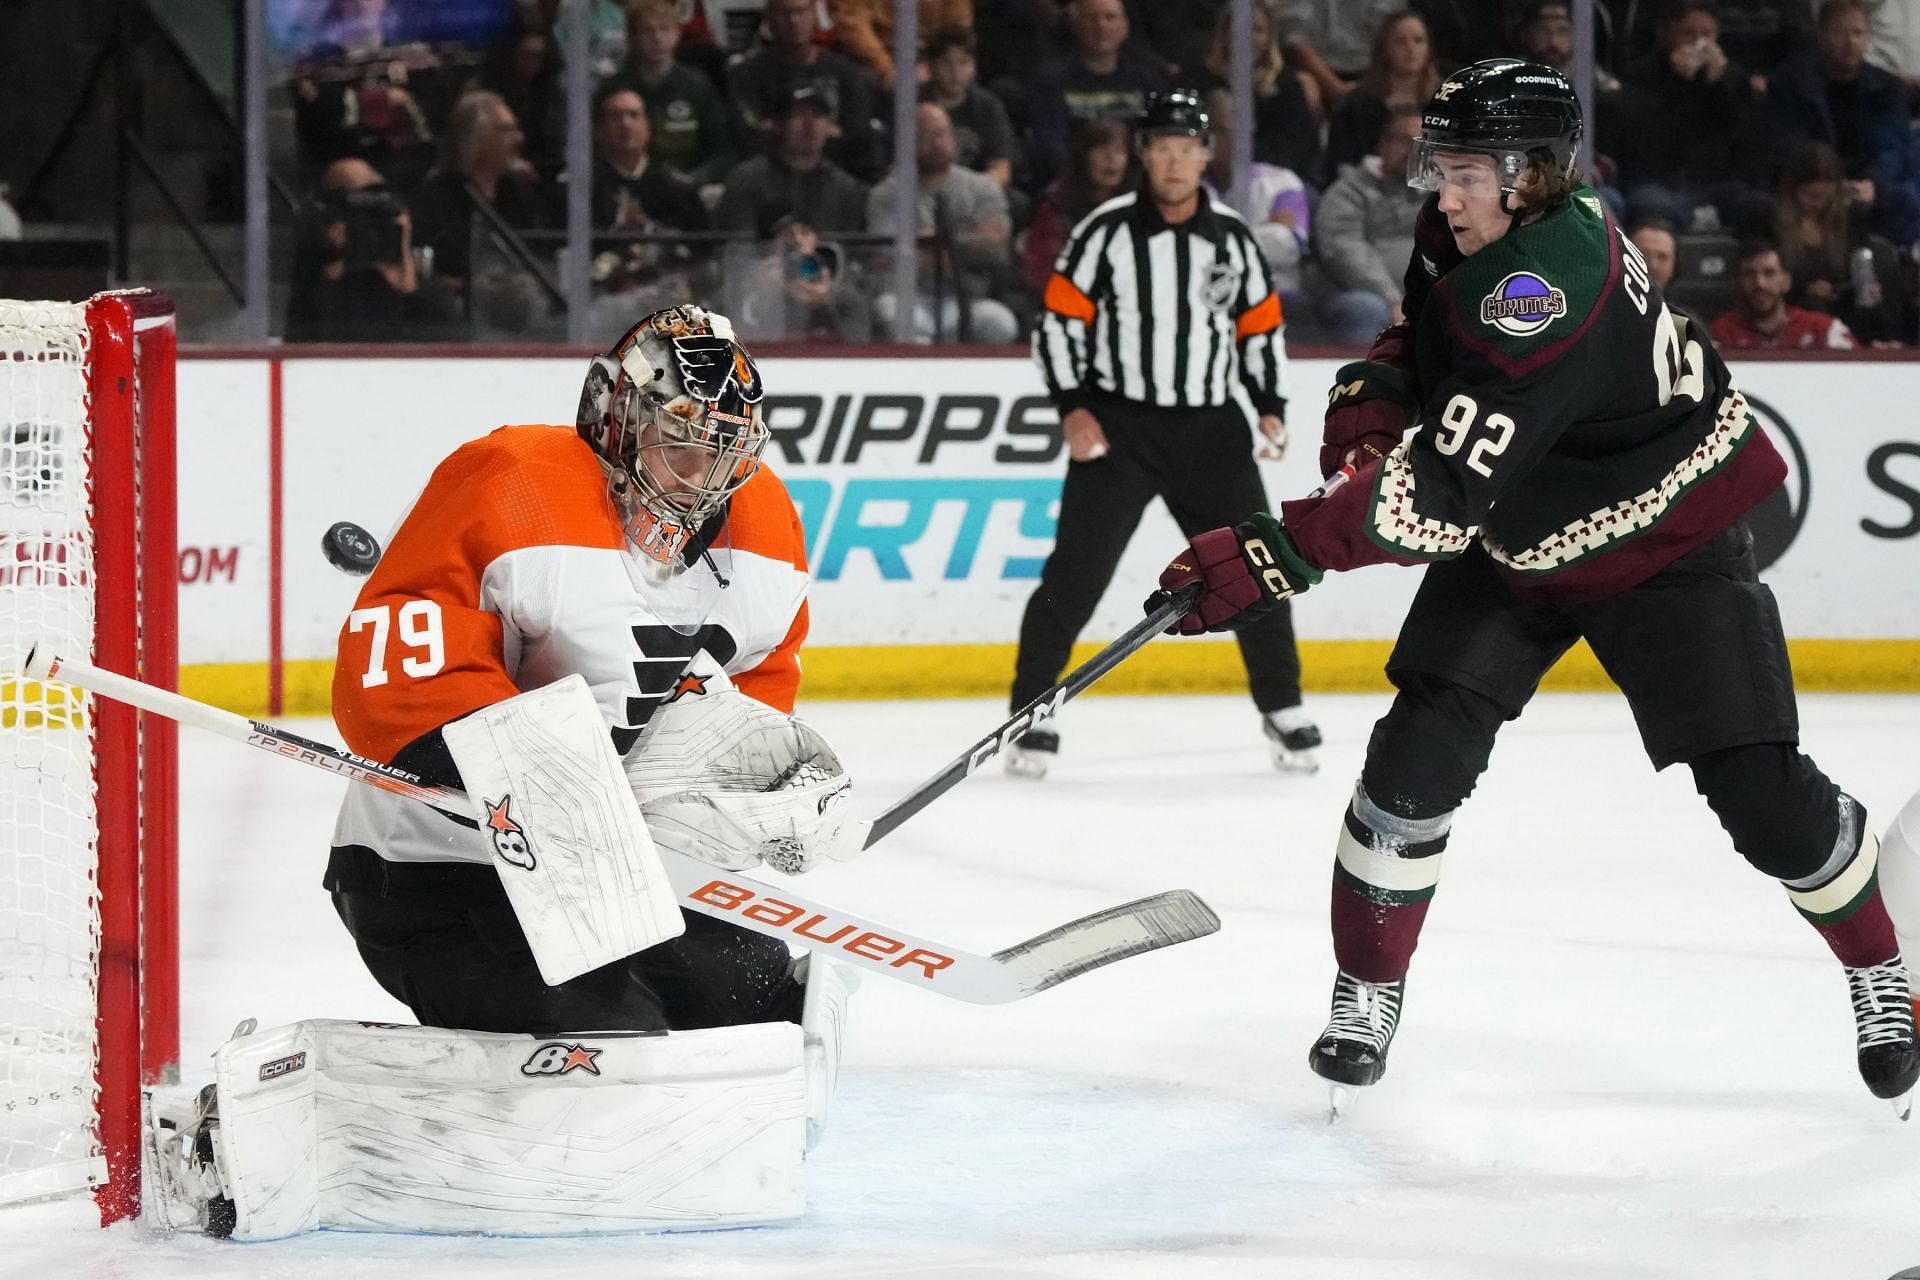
49,921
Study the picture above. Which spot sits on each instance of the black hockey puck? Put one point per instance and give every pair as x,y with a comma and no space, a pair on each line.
351,548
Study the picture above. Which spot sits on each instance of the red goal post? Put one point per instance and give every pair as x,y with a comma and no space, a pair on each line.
89,953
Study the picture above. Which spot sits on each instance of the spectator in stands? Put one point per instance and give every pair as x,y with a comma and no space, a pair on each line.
1830,94
966,213
1659,246
1400,73
1099,76
482,164
802,288
1760,34
691,126
1690,131
1820,223
863,30
1331,42
1543,33
1363,235
635,194
1895,41
352,103
983,136
1099,167
1466,31
1762,318
524,69
760,82
795,179
354,274
1181,34
1285,132
1276,209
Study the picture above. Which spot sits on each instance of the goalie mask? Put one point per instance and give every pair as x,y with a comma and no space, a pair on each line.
673,411
1503,108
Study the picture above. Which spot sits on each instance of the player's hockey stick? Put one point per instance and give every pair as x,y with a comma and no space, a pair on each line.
1077,947
1034,713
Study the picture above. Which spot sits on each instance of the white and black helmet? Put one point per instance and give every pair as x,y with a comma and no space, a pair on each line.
673,411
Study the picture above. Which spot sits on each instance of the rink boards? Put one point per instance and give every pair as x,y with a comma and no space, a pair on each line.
928,488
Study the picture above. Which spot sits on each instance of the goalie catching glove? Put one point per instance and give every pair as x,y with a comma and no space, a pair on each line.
1242,572
729,780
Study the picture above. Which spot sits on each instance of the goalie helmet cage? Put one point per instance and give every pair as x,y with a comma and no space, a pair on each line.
89,953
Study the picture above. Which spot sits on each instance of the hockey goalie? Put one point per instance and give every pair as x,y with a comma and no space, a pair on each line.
595,632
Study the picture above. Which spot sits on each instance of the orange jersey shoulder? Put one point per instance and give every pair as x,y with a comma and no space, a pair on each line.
418,650
761,519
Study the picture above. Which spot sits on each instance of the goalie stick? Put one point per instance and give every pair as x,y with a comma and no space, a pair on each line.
1013,973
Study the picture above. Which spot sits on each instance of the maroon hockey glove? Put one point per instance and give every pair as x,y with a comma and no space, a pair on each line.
1243,573
1370,407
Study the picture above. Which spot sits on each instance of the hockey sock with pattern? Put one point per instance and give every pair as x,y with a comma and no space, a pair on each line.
1384,873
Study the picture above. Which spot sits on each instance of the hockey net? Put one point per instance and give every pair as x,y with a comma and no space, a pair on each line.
88,954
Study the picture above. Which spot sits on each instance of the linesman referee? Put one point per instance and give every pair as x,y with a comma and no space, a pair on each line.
1160,302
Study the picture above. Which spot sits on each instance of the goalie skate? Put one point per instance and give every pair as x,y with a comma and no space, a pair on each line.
183,1184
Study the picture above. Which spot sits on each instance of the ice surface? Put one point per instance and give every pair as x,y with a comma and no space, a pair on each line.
1623,1055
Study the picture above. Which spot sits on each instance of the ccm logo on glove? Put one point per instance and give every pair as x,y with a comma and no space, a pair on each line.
1242,572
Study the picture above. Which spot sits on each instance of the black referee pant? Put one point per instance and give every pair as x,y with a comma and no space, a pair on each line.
1201,462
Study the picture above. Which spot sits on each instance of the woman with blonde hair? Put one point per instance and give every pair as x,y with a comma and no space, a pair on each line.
1285,128
1400,73
1820,225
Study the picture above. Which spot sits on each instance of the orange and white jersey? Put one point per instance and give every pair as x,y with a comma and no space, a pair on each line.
509,574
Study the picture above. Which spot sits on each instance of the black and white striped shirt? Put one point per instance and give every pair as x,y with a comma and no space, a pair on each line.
1164,315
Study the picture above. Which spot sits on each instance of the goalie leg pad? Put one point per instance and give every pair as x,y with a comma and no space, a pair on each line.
823,1027
357,1127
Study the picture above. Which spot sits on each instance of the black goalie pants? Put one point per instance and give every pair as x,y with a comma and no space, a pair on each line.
456,957
1201,463
1697,649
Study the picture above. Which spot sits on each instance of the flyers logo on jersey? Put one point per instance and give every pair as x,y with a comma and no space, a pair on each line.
1522,304
509,837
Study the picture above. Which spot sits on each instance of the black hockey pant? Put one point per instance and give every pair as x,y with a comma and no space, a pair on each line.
1200,462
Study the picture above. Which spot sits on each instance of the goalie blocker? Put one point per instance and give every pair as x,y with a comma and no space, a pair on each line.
354,1126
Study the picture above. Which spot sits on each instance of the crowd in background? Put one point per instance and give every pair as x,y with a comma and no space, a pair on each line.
1760,152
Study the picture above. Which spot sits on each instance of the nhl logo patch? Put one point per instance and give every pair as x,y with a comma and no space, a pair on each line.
1522,304
1222,286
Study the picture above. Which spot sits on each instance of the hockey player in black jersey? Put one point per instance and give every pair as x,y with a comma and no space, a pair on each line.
1583,466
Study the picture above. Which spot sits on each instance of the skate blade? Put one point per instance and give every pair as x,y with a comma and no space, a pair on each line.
1294,761
1339,1100
1902,1105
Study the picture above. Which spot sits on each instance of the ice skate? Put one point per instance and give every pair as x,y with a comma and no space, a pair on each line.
1291,739
1883,1020
183,1173
1352,1052
1030,754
